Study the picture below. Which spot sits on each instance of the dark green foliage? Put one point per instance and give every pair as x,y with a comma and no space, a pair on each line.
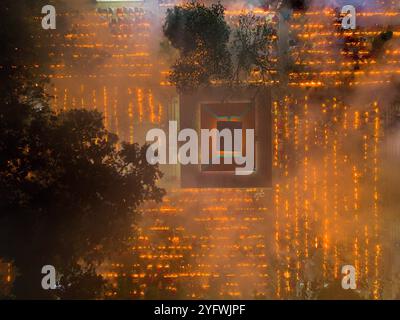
210,53
250,46
201,35
194,24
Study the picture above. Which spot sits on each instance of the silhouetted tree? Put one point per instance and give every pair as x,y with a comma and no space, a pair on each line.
210,52
201,35
252,42
68,190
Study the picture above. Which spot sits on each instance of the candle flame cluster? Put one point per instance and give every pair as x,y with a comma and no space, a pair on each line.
323,210
326,194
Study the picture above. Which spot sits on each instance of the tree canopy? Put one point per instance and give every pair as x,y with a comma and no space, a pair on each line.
69,189
201,35
251,47
211,51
